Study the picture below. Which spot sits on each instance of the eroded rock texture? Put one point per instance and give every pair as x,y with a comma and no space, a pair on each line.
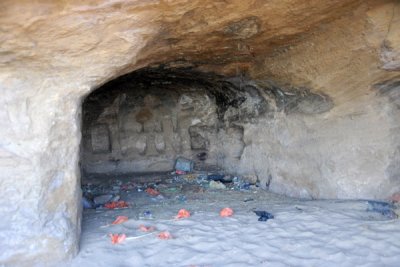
322,74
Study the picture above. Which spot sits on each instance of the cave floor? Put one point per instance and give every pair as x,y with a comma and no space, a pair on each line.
303,232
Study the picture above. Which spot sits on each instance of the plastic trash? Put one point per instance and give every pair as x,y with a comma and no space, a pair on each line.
384,208
264,215
240,184
117,238
144,228
116,205
182,213
226,212
185,165
147,214
152,192
120,219
164,235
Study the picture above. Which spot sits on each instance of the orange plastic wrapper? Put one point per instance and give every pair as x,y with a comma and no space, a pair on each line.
116,205
164,235
182,213
226,212
152,192
120,219
117,238
144,228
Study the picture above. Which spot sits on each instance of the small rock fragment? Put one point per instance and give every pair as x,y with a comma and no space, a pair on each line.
102,199
217,185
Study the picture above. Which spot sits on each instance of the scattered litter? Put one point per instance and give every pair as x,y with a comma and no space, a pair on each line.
185,165
181,198
383,208
164,235
117,238
189,177
116,205
147,214
226,212
179,172
240,184
120,219
217,185
264,215
128,186
182,213
144,228
171,190
152,192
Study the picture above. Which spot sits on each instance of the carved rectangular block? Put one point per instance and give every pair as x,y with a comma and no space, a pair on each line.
100,136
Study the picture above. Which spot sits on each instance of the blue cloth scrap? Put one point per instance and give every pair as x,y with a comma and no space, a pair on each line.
264,215
384,208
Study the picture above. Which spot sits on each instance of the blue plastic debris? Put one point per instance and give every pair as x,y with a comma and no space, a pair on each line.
147,214
264,215
183,164
384,208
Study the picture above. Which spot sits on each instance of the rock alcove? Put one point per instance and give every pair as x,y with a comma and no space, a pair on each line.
143,121
301,94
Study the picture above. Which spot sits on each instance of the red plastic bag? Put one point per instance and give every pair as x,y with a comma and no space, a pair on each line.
120,219
182,213
152,192
226,212
117,238
116,205
164,235
144,228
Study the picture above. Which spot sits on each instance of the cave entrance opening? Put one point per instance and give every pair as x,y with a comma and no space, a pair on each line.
138,127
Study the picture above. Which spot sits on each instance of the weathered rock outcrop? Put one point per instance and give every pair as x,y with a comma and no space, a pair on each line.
337,138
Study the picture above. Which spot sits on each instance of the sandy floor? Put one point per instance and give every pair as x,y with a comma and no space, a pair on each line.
303,233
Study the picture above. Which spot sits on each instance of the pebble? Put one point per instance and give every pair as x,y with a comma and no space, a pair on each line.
216,185
103,199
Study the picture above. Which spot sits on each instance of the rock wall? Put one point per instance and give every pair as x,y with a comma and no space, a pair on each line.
144,127
54,53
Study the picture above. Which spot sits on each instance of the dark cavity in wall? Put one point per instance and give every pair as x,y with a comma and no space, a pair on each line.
142,121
